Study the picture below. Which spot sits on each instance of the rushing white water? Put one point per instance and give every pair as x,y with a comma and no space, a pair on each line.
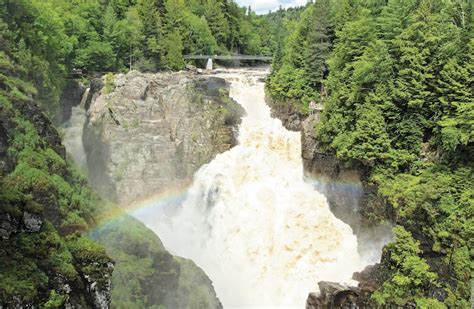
263,235
73,130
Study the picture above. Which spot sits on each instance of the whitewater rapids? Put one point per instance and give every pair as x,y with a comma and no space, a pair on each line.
263,235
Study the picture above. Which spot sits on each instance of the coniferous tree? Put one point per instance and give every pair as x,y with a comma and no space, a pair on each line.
456,96
318,44
128,33
216,20
173,48
149,13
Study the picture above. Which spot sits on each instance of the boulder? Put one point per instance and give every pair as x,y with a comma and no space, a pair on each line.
333,295
8,225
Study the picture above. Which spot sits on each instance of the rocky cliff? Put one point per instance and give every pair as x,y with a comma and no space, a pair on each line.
147,132
146,275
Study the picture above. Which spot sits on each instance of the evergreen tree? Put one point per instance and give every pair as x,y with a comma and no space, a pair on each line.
149,13
318,44
456,96
216,20
172,51
128,36
110,18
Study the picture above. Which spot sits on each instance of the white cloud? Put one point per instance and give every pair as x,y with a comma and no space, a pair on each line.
263,6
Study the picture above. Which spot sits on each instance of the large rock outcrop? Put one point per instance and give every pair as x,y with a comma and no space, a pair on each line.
147,132
146,275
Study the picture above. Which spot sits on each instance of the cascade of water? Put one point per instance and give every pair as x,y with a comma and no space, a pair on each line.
209,64
263,235
73,130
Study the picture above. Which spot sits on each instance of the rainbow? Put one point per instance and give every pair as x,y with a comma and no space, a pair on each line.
113,213
174,195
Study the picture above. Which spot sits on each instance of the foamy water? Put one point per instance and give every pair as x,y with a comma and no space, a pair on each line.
263,235
73,131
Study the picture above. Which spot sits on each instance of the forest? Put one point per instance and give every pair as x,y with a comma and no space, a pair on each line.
52,38
396,80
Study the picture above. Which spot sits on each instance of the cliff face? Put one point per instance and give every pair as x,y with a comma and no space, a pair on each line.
147,275
45,206
146,132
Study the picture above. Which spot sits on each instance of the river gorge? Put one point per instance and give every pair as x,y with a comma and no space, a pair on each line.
244,213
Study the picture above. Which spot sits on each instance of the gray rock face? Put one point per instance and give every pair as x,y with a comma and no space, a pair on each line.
350,199
71,96
153,131
32,222
100,293
8,225
342,187
334,295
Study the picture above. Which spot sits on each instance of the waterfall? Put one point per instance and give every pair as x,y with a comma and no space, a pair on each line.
209,64
73,130
262,234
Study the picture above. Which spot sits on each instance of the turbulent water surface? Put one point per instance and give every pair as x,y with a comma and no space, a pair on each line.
263,235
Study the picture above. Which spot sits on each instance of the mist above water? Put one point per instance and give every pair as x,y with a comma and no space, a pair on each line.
263,235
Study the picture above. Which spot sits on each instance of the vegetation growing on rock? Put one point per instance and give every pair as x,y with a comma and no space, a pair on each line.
46,206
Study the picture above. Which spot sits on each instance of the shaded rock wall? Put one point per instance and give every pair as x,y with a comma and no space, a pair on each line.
70,97
144,133
147,132
147,275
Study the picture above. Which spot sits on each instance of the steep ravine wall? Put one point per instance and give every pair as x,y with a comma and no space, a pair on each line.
347,189
351,199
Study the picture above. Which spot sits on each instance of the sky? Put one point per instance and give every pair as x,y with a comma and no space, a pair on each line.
263,6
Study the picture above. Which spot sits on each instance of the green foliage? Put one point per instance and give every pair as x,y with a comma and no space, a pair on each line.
410,274
145,274
318,41
291,81
172,51
55,300
34,36
109,85
91,259
50,38
96,56
39,183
